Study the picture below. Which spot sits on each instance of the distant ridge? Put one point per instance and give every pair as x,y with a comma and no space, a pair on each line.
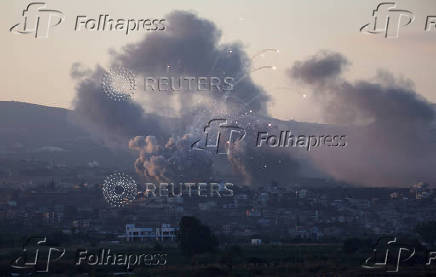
41,132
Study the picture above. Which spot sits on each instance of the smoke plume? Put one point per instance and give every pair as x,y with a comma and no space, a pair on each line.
389,126
161,127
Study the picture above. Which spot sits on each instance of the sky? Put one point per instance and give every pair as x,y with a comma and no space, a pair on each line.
38,70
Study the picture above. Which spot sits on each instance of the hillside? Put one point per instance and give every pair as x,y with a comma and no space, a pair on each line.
46,133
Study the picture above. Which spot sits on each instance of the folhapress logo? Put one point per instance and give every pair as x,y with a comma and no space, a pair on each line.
38,20
388,20
37,257
218,135
30,258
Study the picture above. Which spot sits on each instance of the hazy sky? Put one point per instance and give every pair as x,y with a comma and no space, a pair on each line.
38,70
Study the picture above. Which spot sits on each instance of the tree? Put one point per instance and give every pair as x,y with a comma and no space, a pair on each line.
194,237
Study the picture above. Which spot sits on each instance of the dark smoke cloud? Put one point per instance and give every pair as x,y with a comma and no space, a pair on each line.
111,120
325,65
162,126
385,102
190,47
389,124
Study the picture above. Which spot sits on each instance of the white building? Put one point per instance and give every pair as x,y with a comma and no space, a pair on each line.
256,242
164,232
